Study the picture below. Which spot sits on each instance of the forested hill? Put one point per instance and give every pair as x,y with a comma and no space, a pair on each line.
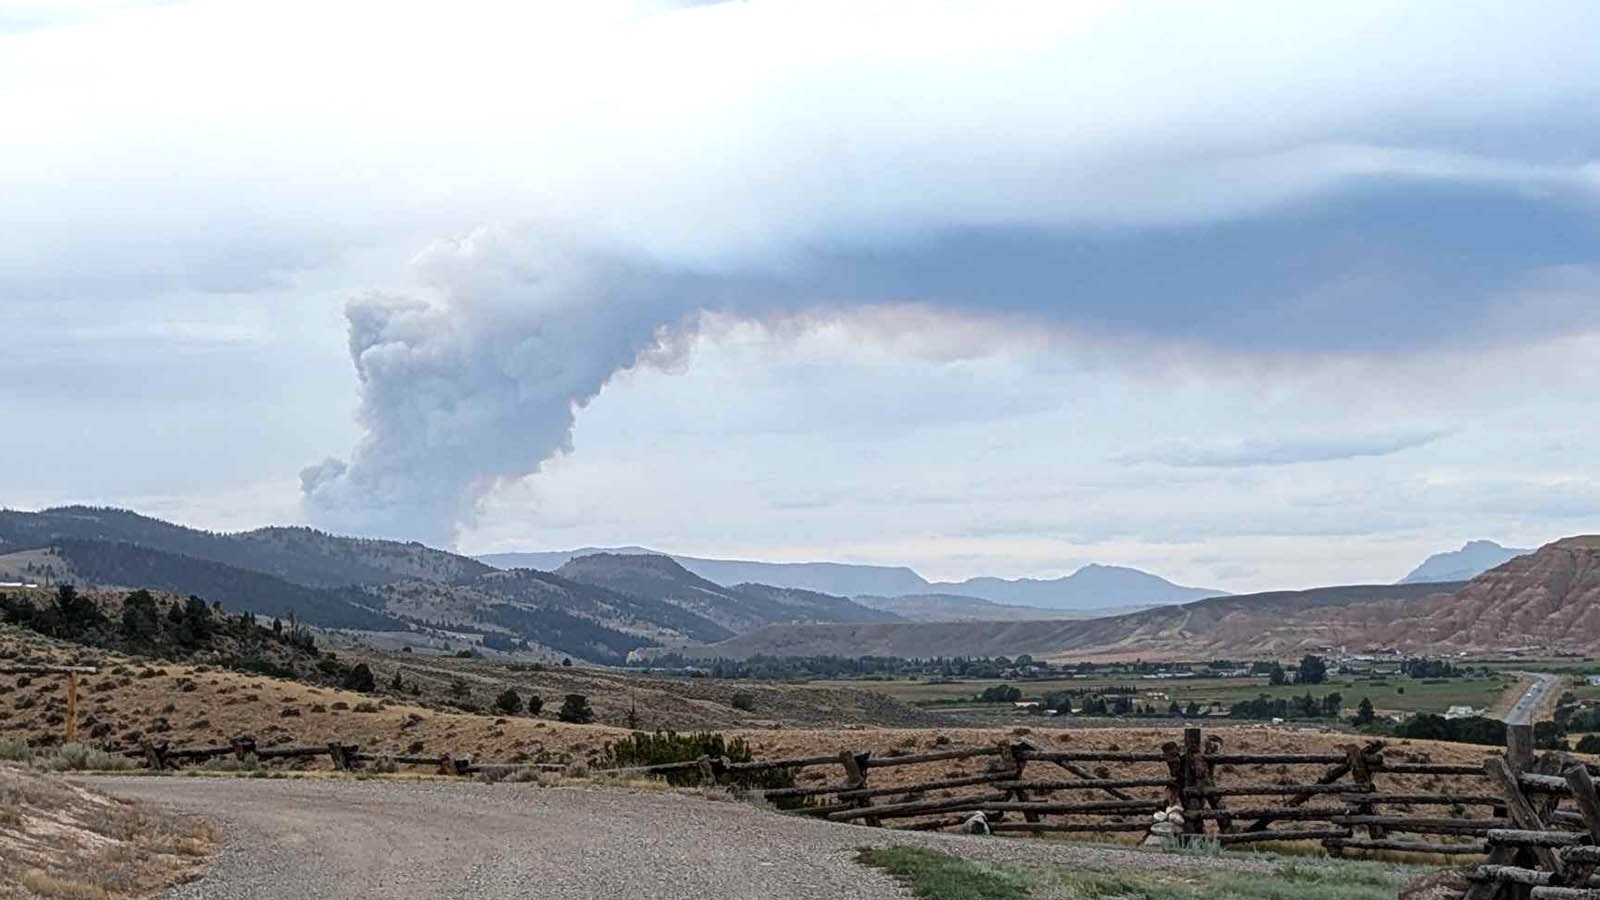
299,555
239,590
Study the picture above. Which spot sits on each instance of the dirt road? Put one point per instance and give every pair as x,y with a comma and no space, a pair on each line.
393,840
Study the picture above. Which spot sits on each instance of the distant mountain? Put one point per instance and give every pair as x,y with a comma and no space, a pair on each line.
1472,560
1250,626
1548,599
956,608
838,579
737,608
1091,587
599,608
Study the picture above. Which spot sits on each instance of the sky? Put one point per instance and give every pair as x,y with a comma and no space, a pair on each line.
1252,295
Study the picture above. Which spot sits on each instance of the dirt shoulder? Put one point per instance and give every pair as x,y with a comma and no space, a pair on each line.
61,840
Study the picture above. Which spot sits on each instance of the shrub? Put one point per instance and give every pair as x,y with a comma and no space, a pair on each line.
575,709
508,702
743,700
360,679
80,757
1589,743
645,749
1001,693
535,703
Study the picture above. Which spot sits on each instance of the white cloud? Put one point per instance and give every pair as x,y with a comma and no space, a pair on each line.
591,178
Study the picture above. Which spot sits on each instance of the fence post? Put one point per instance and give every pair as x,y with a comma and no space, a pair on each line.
343,755
1014,755
1189,780
855,775
155,755
1361,774
1519,747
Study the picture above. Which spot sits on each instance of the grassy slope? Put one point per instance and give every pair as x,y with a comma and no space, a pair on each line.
938,876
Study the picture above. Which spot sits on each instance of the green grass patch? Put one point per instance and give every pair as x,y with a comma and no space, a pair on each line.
939,876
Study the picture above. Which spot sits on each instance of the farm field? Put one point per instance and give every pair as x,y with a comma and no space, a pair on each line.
1388,695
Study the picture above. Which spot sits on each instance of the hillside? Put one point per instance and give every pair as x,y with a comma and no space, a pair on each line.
1473,559
838,579
100,563
1548,599
1091,588
956,608
1279,622
737,609
297,555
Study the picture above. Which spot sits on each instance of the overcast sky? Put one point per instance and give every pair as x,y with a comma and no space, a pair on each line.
1251,295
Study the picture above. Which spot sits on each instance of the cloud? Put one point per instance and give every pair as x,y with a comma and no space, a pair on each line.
1337,180
1284,451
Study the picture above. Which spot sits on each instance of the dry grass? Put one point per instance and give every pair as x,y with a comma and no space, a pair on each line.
58,840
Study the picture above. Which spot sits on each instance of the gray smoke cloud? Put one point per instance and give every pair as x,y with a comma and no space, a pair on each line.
482,384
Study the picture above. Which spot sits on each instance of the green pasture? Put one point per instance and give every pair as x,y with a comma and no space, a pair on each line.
1388,693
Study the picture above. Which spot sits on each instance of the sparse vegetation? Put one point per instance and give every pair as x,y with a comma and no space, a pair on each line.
938,876
63,841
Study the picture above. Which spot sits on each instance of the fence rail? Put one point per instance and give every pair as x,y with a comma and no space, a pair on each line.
1342,800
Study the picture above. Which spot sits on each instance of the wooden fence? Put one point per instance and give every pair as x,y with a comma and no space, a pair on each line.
344,757
1365,798
1361,799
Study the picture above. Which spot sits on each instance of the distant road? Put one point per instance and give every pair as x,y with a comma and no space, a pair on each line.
313,839
1523,711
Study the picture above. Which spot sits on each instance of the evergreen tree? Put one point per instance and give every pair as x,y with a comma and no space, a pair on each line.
141,620
508,703
360,679
1313,669
575,709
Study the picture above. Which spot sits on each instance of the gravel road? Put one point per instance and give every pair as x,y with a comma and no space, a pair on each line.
396,840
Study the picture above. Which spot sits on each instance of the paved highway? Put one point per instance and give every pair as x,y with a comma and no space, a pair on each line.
1527,706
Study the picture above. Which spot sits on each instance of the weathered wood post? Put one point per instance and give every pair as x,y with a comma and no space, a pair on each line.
855,776
72,707
1521,811
1208,781
1015,757
1519,747
1361,774
343,755
1588,802
155,755
1190,780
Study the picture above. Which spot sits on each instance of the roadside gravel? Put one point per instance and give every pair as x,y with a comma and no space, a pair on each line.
398,840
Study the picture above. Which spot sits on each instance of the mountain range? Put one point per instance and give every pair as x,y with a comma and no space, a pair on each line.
609,606
1473,559
1547,600
1091,588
